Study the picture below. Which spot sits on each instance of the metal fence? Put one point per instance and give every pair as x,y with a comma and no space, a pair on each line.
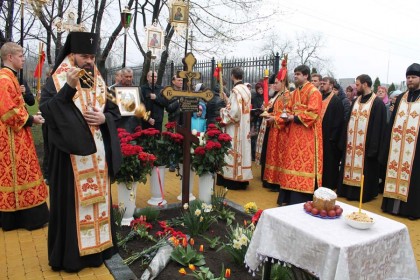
253,70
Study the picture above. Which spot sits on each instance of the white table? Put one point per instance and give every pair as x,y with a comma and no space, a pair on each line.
331,249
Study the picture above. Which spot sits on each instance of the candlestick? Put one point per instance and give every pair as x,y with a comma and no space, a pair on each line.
265,88
361,193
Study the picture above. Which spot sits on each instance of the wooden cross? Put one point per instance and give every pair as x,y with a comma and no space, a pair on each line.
169,92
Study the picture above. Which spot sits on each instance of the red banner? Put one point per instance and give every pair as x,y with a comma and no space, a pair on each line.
38,69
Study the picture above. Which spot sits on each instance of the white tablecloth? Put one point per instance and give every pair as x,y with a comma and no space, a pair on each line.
331,249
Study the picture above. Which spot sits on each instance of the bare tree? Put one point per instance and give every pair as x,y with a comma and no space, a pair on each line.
274,43
307,48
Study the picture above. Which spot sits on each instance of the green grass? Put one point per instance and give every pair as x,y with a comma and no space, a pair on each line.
36,129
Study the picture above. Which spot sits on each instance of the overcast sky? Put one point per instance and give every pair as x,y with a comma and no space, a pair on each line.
361,36
380,38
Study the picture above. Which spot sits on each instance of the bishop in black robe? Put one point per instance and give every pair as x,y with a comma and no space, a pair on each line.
68,133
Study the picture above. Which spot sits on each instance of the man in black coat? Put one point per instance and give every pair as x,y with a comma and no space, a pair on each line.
332,127
154,102
214,106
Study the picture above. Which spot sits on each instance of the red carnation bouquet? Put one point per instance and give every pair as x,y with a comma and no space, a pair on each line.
173,142
209,154
136,164
163,145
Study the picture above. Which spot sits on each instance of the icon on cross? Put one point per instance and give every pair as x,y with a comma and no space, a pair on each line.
189,61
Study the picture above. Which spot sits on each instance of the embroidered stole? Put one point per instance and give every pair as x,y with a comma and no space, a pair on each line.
356,141
236,150
92,185
402,149
325,104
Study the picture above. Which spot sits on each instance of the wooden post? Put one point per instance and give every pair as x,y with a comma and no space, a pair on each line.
188,104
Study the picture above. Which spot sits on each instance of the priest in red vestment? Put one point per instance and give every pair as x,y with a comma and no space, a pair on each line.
277,135
302,160
23,192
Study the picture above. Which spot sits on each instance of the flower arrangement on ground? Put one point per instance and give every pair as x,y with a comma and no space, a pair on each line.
209,154
251,208
198,217
136,164
139,228
239,238
204,273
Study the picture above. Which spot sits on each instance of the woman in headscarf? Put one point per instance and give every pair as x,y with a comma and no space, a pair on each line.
382,93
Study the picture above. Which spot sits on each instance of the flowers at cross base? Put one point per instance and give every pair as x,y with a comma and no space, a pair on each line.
136,163
250,208
209,154
173,142
166,146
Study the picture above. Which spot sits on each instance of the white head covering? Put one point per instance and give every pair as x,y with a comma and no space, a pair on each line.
395,93
197,87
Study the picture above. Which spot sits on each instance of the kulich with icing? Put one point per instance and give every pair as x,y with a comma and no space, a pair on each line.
324,199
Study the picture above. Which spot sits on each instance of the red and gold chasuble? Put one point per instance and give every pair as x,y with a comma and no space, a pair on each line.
356,140
405,131
302,159
21,183
92,185
261,132
277,141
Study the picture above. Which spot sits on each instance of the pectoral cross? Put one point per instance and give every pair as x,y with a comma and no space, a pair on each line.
169,92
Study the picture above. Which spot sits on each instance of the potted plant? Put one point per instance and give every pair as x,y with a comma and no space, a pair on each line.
135,167
208,158
152,142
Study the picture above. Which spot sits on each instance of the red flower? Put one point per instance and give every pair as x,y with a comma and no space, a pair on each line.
210,145
224,137
218,119
213,133
170,125
256,216
200,151
211,126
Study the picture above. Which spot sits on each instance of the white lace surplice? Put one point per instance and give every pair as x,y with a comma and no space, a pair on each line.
331,249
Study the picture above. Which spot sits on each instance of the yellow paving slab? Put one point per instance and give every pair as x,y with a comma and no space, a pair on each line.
25,252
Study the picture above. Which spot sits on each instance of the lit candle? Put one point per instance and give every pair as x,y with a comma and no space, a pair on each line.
265,87
361,193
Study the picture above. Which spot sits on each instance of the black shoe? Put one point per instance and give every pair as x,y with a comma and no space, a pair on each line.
171,168
412,218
